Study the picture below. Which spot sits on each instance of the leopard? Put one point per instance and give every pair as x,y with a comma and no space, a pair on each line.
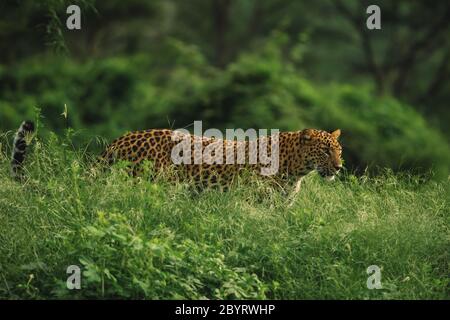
298,154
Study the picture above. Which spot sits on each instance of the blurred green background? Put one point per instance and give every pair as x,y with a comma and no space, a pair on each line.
290,65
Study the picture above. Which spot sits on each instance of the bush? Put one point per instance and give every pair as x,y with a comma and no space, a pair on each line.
160,265
259,90
134,238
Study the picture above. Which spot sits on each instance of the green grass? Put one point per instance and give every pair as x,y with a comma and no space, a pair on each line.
139,239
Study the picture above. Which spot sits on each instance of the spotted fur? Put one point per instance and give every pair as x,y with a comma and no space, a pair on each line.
300,152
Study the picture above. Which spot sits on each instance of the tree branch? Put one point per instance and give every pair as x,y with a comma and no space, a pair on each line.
220,14
441,76
366,44
407,62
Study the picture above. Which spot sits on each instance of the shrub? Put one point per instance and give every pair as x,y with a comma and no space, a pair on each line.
259,90
134,238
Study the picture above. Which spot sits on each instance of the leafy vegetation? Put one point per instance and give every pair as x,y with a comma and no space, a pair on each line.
135,238
259,90
288,65
408,58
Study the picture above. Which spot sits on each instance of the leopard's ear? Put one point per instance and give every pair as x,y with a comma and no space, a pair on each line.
336,133
306,136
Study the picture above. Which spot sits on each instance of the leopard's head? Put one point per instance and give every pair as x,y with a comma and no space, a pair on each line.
322,151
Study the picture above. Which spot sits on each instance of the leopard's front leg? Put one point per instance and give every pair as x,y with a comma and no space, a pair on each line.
293,194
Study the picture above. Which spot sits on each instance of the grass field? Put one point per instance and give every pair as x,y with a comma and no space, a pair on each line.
138,239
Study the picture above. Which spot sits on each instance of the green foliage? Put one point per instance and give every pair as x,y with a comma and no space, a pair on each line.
157,265
384,132
148,63
134,238
259,90
407,58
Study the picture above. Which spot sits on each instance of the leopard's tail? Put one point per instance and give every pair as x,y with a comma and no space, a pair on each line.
20,148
